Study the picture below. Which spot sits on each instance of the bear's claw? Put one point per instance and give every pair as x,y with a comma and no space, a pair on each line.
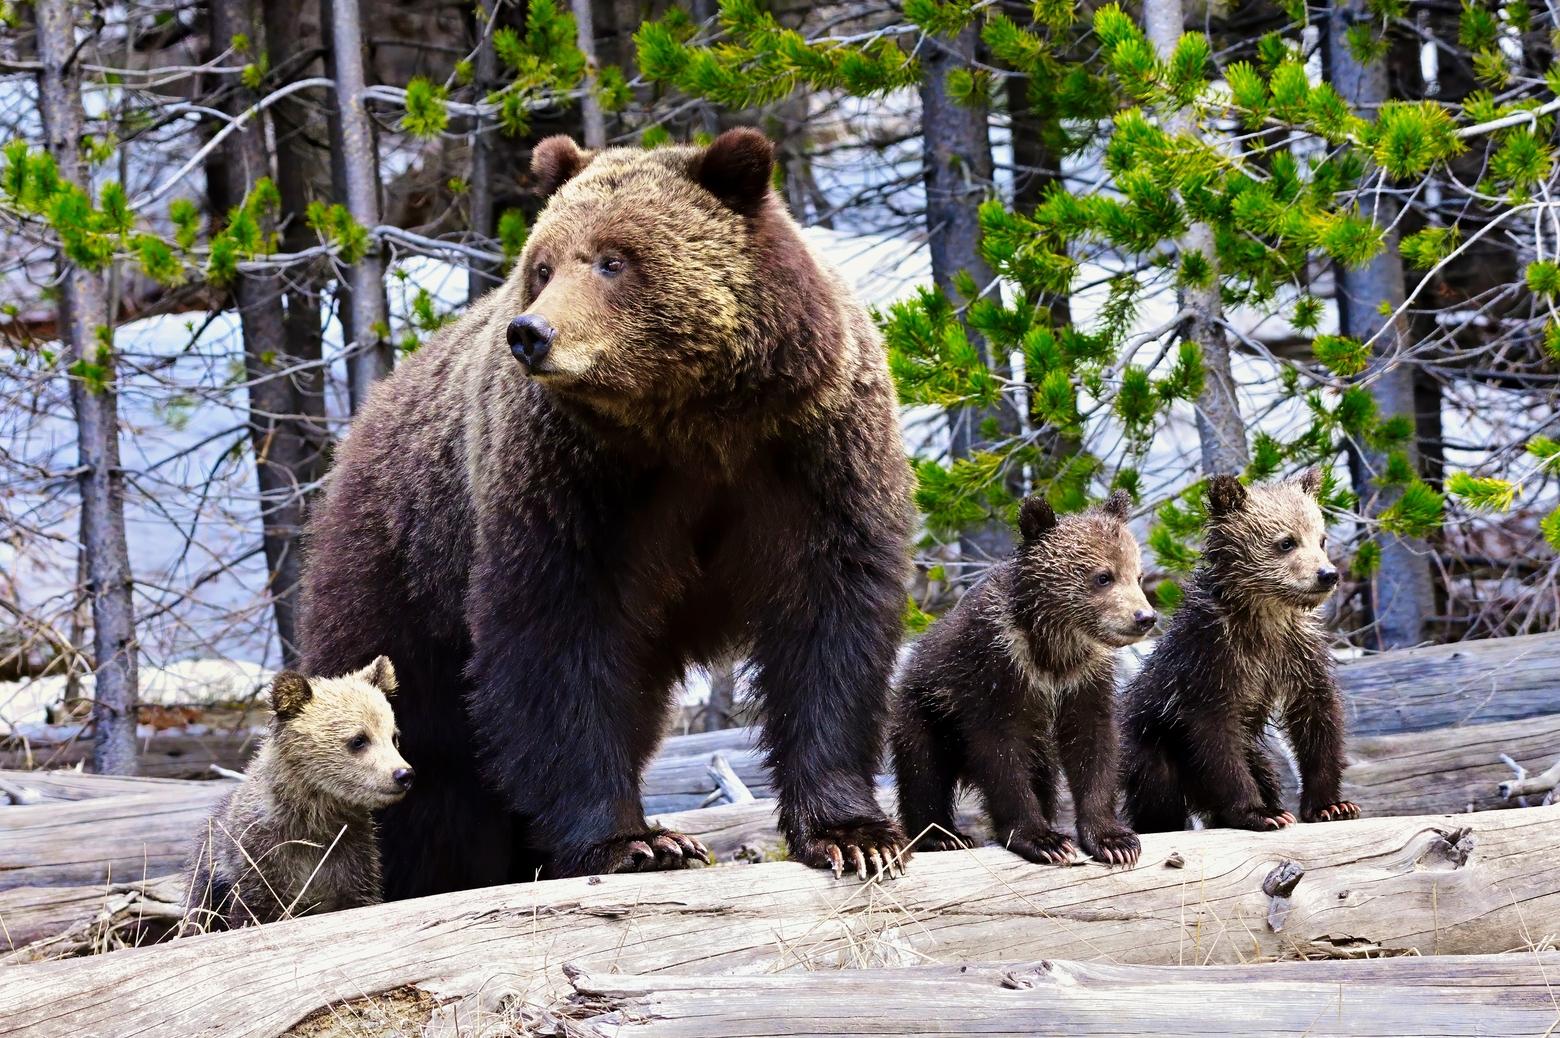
937,838
1119,846
1041,846
875,850
658,850
1342,811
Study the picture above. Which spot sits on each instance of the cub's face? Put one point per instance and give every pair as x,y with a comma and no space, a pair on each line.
632,283
1269,542
339,737
1086,569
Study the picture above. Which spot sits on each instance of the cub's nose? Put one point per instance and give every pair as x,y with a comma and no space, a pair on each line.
530,338
403,777
1145,619
1327,576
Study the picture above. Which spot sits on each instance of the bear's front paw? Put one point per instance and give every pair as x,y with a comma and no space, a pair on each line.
1114,845
657,850
1040,845
1342,811
1260,820
878,845
940,838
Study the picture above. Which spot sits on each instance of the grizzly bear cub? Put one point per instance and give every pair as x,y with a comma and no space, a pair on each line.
297,835
1019,678
1245,648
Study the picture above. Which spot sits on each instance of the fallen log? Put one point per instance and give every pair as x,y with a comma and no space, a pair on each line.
1410,997
1450,885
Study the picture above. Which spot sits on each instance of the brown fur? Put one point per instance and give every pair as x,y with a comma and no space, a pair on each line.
1245,648
297,835
706,460
1019,680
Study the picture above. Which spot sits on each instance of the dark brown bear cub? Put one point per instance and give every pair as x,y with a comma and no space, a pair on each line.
1245,648
668,437
1020,678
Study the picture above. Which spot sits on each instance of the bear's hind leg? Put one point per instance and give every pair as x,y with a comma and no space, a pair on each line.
926,773
1155,800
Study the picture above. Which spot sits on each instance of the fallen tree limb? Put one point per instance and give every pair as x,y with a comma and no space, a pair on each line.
1450,885
1409,997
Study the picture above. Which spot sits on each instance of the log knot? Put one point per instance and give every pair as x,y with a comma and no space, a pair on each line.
1278,885
1447,850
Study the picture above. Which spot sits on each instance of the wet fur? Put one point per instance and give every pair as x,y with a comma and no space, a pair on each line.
297,835
1245,648
715,465
1018,682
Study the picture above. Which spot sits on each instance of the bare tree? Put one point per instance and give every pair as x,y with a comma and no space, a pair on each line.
89,346
356,166
594,118
957,175
1219,424
286,459
1403,593
480,277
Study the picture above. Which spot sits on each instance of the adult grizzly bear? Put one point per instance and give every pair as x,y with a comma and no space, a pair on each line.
670,434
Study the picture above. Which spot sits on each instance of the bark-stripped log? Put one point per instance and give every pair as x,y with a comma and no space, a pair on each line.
1449,885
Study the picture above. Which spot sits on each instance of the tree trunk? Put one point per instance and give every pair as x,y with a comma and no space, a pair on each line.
720,711
88,340
1387,998
480,276
957,175
1402,594
365,321
1462,885
286,458
594,119
1219,424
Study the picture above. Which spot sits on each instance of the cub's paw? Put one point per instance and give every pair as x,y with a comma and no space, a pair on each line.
1342,811
1117,845
938,838
873,849
1041,846
1261,820
656,850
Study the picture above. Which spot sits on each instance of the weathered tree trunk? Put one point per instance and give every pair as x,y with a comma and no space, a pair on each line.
479,193
356,163
1402,594
1219,424
591,115
89,342
720,711
956,171
1376,887
286,457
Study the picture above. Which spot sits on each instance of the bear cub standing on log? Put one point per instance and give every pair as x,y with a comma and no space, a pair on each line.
1244,648
1019,678
297,835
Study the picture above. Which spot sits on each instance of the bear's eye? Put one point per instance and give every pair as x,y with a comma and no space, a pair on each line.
358,743
1103,580
1323,543
1287,545
611,266
543,274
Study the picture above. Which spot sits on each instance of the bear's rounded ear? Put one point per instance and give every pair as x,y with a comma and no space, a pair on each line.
1226,494
1036,517
736,169
555,161
380,674
290,692
1311,481
1119,505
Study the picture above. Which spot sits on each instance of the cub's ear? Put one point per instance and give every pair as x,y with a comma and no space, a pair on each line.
1226,494
555,161
380,674
1119,505
736,169
290,692
1036,517
1311,481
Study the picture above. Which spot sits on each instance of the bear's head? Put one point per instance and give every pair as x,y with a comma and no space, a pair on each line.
658,280
1268,543
1081,572
336,738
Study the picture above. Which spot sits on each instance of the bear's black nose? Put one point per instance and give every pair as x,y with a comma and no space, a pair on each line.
403,777
1145,619
1327,577
530,337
